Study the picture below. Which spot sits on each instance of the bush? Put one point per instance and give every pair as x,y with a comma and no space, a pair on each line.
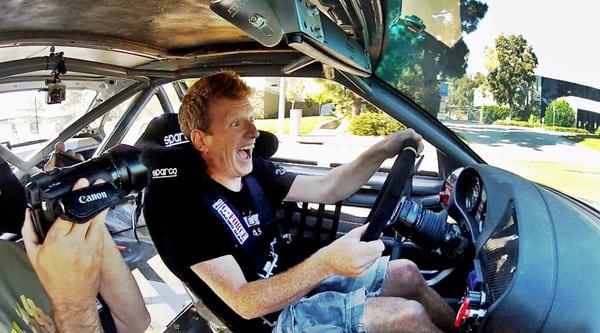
514,123
492,113
565,115
533,119
374,123
597,131
566,129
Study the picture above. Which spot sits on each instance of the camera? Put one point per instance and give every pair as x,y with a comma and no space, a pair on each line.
428,229
56,93
49,194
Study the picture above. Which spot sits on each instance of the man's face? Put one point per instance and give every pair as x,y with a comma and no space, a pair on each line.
230,138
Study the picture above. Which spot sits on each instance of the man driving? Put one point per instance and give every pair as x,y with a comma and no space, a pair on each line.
345,286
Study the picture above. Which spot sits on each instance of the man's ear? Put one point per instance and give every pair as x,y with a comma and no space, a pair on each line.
198,139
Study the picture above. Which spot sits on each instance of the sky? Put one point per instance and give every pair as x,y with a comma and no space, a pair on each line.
565,36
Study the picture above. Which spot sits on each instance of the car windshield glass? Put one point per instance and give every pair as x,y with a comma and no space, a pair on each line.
515,80
27,120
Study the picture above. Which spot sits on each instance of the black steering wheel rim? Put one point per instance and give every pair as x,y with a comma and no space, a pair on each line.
391,191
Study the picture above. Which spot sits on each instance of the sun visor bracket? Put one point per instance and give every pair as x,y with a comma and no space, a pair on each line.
301,25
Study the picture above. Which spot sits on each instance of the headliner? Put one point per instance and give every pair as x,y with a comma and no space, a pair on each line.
156,27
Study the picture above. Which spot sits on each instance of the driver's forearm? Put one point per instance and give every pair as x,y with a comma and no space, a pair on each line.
261,297
345,180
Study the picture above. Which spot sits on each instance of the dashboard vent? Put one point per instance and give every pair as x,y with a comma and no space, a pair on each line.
499,257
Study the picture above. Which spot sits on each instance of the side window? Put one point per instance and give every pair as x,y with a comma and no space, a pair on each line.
151,110
324,124
172,95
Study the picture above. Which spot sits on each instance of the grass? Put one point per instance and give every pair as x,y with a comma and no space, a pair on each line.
307,124
590,141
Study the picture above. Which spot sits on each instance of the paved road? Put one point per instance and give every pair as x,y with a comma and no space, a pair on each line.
542,156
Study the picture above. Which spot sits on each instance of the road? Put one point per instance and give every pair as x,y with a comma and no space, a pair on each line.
542,156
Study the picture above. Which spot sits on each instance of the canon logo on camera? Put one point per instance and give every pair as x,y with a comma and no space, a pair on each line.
92,197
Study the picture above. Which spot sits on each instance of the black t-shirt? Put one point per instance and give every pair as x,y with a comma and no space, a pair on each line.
203,237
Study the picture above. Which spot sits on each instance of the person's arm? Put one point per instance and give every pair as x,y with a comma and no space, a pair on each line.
120,291
68,264
117,285
346,256
341,182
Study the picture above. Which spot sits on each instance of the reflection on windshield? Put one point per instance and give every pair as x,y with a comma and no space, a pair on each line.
490,73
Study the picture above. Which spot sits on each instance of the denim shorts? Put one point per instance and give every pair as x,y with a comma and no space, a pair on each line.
335,305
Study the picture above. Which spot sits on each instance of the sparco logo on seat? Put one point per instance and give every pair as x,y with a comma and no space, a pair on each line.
164,173
174,139
92,197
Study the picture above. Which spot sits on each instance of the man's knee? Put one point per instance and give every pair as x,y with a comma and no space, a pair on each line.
410,312
390,314
406,271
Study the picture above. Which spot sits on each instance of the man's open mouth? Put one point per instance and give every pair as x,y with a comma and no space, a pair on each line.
245,153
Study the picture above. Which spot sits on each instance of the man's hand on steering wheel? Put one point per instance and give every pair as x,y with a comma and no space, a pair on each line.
407,144
394,143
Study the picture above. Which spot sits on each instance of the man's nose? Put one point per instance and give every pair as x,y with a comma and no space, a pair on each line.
251,131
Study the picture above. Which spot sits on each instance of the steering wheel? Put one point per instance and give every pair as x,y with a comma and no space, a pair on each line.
391,191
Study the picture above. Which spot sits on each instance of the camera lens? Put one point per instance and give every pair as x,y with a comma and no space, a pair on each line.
424,227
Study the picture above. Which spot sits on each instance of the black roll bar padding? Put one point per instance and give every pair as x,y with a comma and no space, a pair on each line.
399,175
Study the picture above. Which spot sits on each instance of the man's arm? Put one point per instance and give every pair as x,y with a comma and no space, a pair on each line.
341,182
68,264
117,286
346,256
120,291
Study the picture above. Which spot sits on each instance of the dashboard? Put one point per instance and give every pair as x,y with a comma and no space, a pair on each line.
530,246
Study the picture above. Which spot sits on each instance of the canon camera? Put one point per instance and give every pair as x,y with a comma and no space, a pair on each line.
50,195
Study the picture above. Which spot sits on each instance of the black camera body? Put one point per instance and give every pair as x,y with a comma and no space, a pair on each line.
50,195
429,229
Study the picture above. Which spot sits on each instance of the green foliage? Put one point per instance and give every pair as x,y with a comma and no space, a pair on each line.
512,78
597,131
307,124
519,123
334,93
462,92
534,119
491,113
566,129
560,113
294,90
374,123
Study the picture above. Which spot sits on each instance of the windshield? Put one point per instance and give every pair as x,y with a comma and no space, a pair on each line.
515,80
26,121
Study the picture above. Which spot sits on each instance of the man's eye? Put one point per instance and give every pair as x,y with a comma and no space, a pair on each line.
235,123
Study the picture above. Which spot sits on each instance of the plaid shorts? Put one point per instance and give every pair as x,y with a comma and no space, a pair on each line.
336,305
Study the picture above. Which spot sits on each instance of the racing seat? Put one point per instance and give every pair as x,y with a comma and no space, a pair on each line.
177,168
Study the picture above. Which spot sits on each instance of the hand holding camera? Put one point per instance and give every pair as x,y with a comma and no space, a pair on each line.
49,193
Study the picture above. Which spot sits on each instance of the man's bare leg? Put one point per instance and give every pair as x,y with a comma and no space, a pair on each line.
404,280
395,314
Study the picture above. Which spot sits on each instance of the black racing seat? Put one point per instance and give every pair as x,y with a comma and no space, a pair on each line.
177,169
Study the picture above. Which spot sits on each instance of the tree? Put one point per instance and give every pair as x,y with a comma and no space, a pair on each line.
512,79
560,113
415,62
294,90
345,100
462,92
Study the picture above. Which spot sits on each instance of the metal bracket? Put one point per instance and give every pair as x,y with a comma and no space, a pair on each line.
307,30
